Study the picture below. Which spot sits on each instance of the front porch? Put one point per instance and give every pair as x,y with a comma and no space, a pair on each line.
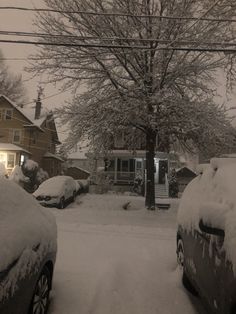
12,155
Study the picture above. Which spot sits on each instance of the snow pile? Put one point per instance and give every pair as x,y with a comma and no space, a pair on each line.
17,175
212,197
3,170
24,224
30,165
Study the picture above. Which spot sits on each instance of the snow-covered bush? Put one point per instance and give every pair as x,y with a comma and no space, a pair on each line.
3,170
18,177
35,174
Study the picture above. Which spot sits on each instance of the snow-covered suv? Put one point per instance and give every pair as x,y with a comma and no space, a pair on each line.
206,236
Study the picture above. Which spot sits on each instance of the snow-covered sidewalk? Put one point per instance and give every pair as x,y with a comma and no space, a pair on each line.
113,261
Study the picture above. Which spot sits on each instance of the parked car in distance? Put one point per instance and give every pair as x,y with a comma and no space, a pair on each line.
28,240
56,191
206,236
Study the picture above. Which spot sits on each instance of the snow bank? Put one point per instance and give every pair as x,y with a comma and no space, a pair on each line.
23,225
212,197
18,176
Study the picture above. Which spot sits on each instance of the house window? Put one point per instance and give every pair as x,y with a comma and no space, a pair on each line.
33,136
3,158
125,165
8,114
16,136
10,160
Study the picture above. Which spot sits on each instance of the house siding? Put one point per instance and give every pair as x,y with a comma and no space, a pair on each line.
36,141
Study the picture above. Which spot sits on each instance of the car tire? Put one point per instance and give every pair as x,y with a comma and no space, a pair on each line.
61,204
40,299
181,260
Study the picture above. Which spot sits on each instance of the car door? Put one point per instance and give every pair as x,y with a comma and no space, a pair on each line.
209,263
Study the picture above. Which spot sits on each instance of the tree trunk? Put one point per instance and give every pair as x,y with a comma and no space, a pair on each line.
150,167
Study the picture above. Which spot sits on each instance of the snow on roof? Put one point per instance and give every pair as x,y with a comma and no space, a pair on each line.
29,112
12,147
81,169
81,154
50,155
127,153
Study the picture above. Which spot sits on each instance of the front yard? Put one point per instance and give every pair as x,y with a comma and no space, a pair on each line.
112,260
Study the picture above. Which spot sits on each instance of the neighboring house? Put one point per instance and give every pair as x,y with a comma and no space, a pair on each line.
79,159
77,173
28,133
123,165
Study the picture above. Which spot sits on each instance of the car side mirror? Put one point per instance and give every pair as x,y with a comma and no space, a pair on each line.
204,227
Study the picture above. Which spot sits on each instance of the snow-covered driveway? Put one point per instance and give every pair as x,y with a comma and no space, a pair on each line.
115,261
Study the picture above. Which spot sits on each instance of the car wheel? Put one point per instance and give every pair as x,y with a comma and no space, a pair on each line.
61,204
180,253
40,300
180,260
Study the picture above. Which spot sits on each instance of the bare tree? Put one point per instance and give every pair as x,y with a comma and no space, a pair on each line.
146,66
11,85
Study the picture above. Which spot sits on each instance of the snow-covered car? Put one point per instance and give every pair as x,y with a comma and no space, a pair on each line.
56,191
28,241
206,236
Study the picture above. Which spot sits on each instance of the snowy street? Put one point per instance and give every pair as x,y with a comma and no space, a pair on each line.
112,260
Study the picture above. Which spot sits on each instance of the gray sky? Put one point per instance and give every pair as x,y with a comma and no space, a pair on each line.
22,21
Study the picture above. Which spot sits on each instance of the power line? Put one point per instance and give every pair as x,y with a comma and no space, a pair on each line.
161,41
192,25
159,17
129,47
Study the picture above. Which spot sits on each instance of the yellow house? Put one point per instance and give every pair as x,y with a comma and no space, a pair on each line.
28,133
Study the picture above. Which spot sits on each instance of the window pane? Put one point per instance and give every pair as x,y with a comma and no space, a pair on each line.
10,160
8,114
16,136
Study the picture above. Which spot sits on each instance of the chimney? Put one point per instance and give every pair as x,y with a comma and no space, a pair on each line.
37,109
38,105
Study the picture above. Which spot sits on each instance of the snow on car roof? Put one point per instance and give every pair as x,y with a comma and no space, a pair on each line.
23,223
53,186
212,195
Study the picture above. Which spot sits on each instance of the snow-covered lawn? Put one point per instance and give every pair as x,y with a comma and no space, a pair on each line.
113,261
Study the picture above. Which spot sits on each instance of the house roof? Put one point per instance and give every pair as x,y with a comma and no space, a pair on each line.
185,172
12,147
75,167
50,155
29,114
81,154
